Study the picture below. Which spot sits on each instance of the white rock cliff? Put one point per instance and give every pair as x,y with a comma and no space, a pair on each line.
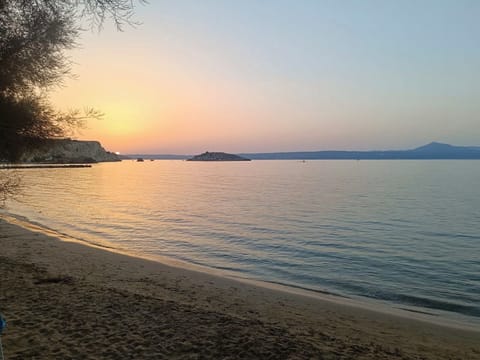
70,151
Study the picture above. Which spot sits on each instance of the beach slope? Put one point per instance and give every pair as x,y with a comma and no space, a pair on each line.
63,299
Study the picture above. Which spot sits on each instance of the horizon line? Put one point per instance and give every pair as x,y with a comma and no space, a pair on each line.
303,151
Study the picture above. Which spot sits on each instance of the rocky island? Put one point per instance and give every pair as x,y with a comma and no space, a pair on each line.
217,156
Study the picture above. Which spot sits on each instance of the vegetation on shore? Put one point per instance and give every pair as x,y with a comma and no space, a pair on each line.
34,37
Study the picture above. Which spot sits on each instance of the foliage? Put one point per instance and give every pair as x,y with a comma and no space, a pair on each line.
34,35
32,43
30,120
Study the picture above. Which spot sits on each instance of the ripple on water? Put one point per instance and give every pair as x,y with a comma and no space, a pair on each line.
387,230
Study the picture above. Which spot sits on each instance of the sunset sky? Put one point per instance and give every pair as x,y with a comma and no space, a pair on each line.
282,75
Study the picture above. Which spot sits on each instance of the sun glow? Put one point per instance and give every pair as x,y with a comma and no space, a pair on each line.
122,119
201,79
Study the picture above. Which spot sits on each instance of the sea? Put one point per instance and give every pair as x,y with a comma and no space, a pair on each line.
403,233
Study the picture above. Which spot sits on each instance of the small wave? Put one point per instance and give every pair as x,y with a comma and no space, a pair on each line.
428,303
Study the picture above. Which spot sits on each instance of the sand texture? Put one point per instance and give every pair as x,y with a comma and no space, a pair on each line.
65,300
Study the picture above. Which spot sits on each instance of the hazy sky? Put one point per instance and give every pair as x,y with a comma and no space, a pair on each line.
278,75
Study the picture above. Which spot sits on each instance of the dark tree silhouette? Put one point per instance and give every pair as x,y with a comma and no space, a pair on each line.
32,41
34,35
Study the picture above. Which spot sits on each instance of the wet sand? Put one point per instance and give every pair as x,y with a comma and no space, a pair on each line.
66,300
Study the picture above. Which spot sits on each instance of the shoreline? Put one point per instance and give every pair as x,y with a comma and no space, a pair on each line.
458,321
168,307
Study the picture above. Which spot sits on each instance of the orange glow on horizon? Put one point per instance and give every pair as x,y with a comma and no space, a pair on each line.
230,77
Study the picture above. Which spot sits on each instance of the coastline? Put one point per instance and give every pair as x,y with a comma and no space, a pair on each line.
64,298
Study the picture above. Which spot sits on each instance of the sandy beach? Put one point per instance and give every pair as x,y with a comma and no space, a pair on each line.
66,300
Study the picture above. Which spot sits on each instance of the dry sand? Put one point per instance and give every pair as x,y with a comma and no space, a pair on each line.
66,300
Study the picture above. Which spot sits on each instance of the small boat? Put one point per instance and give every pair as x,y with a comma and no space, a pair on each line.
140,160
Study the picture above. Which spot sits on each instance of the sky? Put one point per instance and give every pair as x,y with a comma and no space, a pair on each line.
281,75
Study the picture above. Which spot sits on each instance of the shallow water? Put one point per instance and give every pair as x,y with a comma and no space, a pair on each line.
402,232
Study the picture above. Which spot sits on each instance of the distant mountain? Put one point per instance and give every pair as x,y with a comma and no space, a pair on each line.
436,147
433,150
440,148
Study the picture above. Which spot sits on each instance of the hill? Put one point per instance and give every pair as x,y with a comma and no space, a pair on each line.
433,150
217,156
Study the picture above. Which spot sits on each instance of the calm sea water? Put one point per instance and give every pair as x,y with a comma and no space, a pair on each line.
402,232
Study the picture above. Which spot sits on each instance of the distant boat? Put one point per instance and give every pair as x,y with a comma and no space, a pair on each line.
140,160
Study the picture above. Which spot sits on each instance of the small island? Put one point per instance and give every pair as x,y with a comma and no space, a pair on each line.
217,156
